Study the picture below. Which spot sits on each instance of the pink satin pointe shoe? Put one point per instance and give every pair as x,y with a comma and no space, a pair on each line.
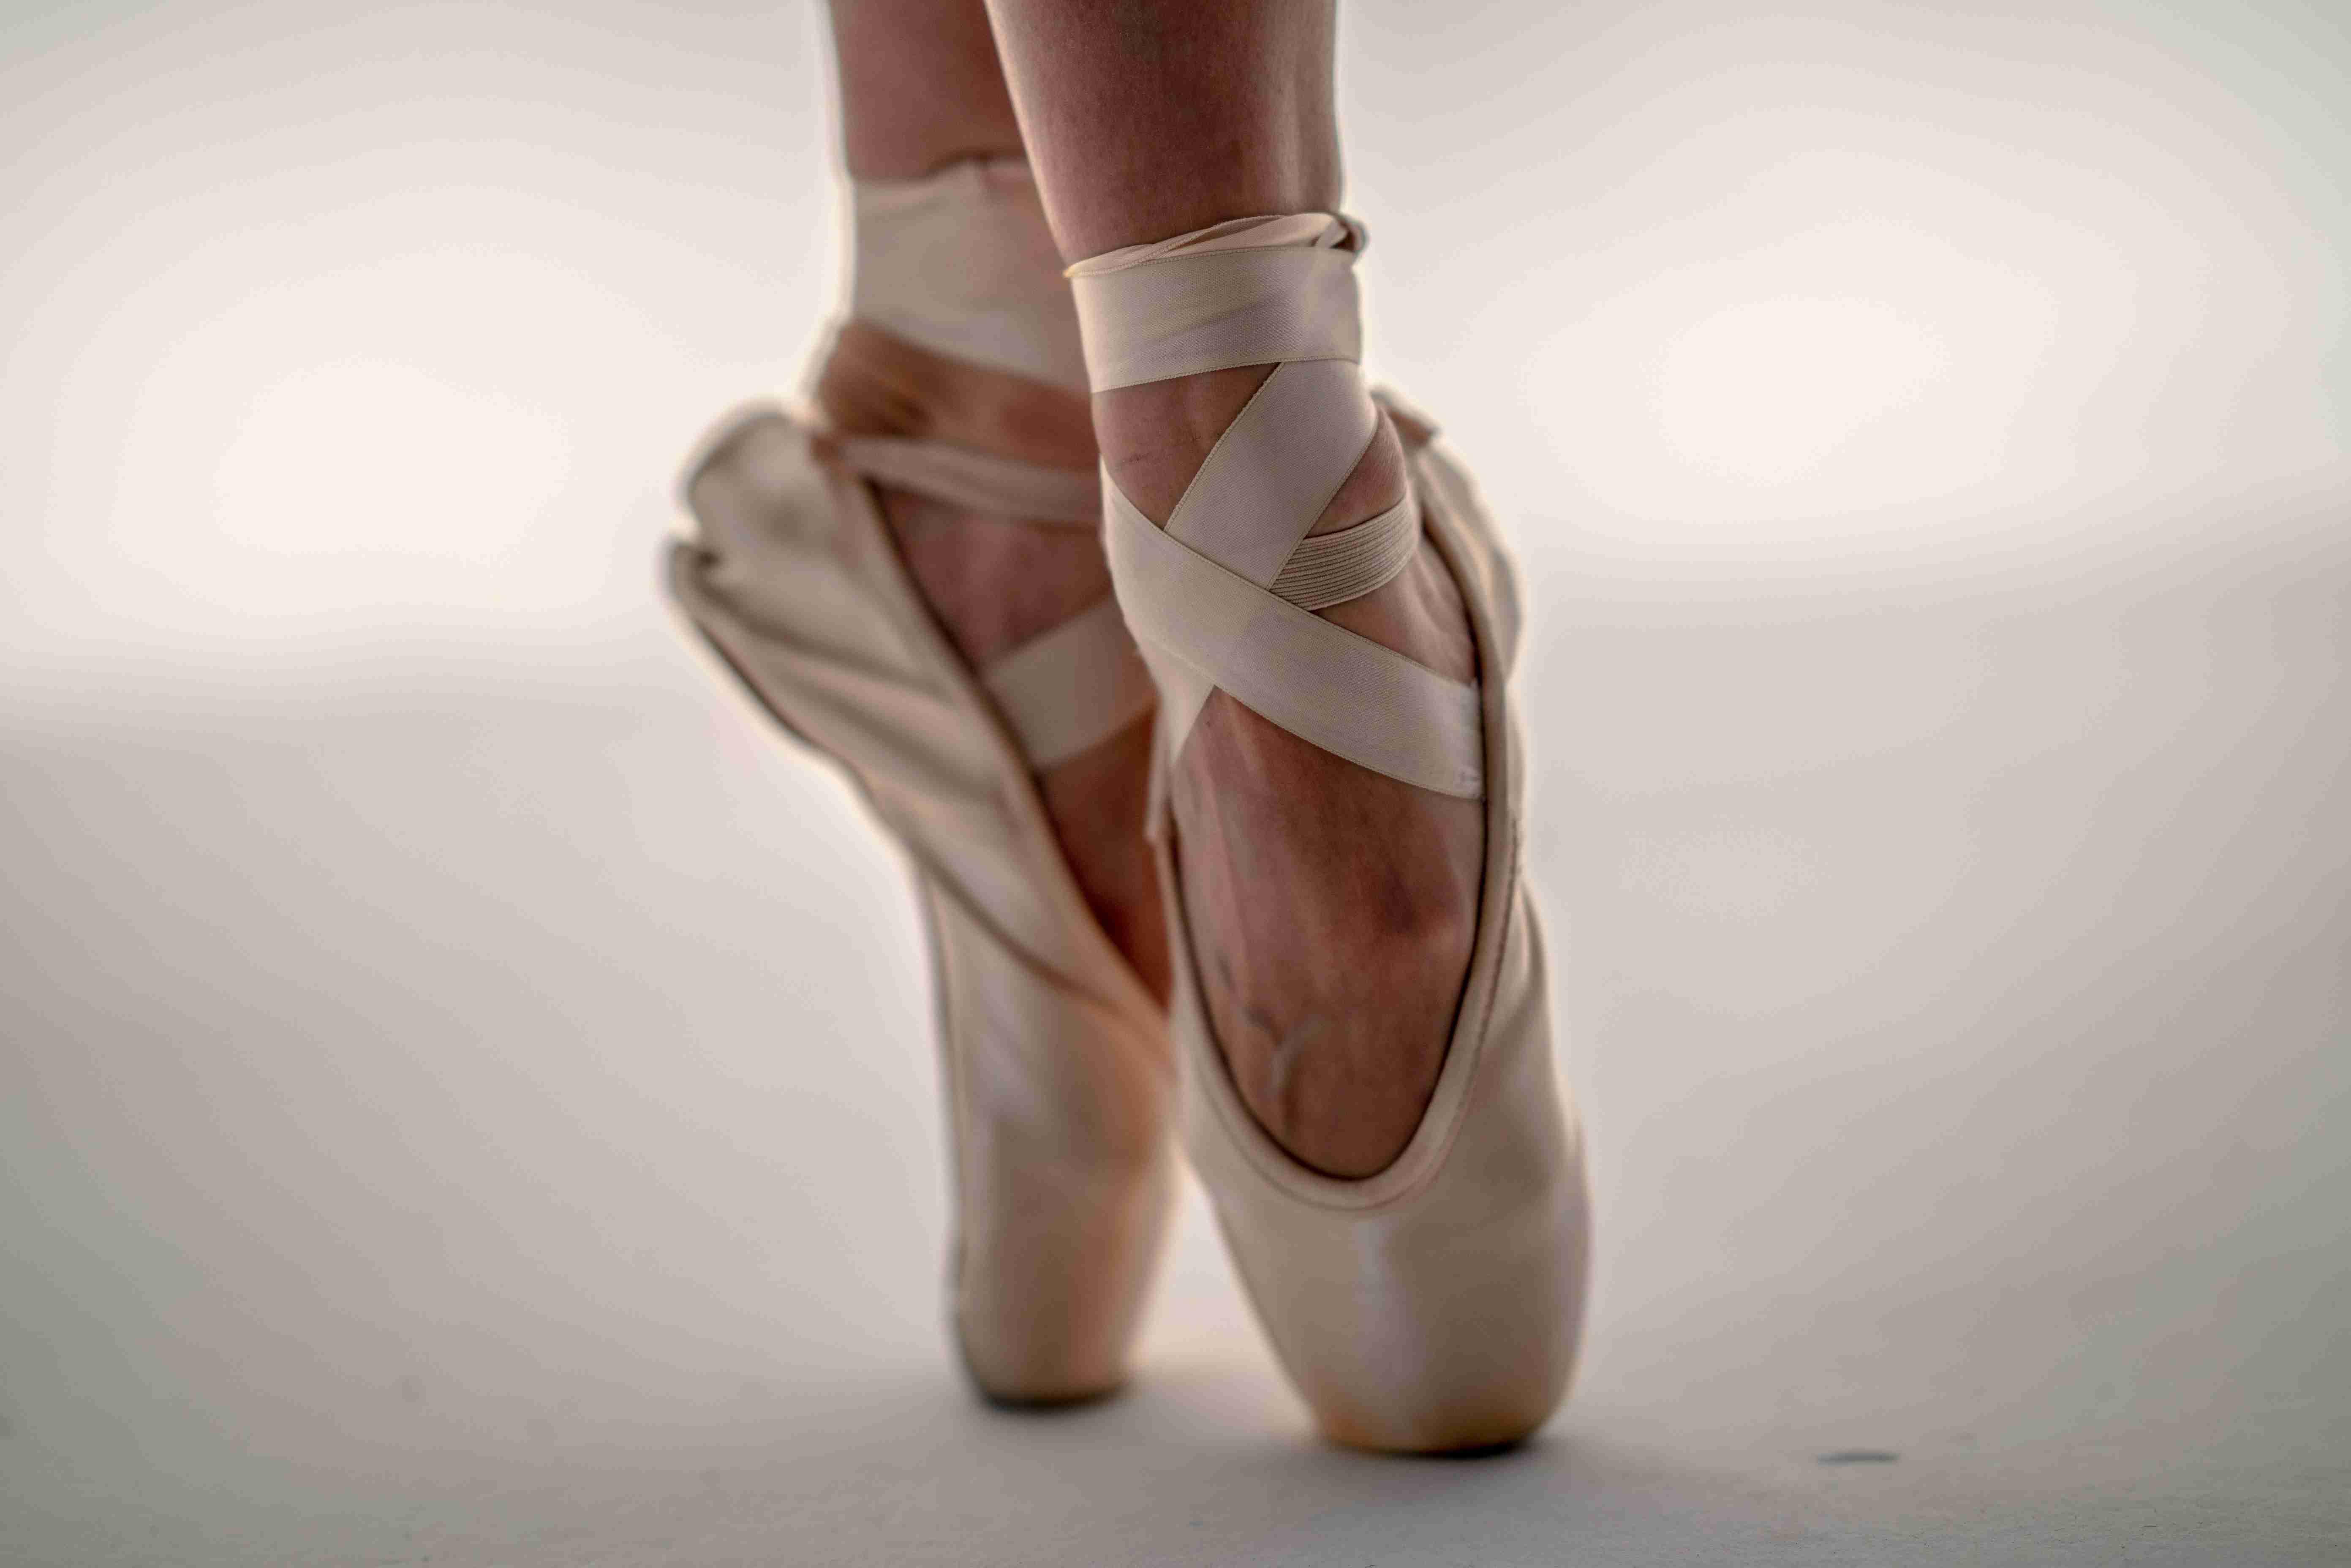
1437,1304
1054,1057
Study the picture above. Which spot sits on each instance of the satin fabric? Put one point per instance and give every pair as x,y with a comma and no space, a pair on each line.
1436,1305
1054,1059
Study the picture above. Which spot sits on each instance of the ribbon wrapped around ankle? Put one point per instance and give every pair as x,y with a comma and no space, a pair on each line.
961,262
1239,293
1221,597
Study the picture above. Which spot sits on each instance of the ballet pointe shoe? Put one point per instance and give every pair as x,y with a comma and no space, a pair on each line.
1053,1057
1054,1060
1436,1305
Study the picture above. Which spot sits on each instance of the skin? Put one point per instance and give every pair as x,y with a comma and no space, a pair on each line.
1332,910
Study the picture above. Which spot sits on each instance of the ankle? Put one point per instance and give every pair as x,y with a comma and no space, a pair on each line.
874,383
1155,436
960,327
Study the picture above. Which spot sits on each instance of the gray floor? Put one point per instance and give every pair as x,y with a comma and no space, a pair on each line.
492,1123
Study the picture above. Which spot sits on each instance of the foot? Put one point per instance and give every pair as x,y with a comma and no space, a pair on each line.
994,583
1331,909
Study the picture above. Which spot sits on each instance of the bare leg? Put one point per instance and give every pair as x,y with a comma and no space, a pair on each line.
919,86
920,89
1333,909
